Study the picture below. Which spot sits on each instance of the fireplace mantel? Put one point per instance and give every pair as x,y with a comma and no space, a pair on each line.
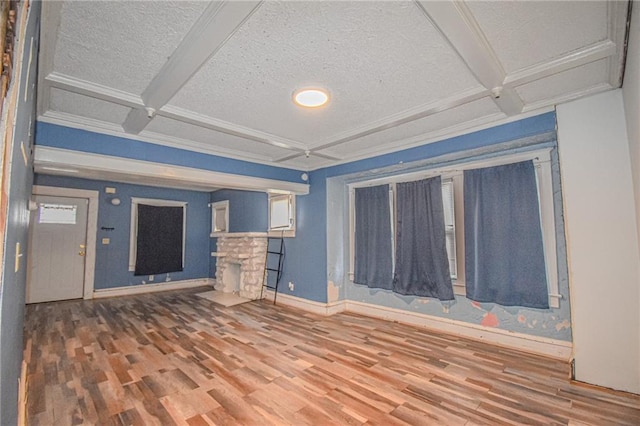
244,253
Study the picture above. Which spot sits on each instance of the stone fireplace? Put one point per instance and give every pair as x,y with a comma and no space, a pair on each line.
240,264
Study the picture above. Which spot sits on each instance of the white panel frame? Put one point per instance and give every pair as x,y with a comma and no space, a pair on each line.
133,230
214,215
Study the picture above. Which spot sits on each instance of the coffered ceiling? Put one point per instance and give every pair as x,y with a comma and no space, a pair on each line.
218,77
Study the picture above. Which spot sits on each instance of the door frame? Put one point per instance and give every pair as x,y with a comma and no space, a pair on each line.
92,227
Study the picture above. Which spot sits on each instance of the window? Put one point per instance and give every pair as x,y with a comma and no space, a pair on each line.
450,217
158,233
60,214
282,208
450,225
219,217
452,197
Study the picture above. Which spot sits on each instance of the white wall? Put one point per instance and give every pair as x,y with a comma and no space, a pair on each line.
631,96
602,243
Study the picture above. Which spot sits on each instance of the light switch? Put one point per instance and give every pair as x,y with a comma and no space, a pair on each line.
106,241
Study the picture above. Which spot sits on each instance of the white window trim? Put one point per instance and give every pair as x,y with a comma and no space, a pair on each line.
133,234
286,232
542,162
214,207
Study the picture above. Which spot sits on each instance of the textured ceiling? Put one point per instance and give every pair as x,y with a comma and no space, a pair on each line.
218,77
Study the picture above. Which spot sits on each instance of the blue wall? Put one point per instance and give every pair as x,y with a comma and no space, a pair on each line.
311,277
112,260
247,213
12,288
317,259
81,140
247,209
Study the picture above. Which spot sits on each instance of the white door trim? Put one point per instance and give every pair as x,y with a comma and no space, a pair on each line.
92,227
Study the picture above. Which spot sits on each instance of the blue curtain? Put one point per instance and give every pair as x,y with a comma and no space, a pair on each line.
504,257
159,241
422,264
373,251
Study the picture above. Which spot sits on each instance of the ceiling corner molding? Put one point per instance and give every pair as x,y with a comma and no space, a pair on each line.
219,21
442,134
50,22
93,90
617,14
63,162
111,129
82,123
598,88
460,29
228,128
413,114
574,59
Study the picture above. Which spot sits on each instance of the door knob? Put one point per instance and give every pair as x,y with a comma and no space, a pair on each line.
81,253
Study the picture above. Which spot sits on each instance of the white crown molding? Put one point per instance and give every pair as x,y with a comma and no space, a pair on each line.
97,91
102,127
211,123
218,22
82,123
476,125
617,15
50,22
430,137
66,162
546,103
395,120
574,59
93,90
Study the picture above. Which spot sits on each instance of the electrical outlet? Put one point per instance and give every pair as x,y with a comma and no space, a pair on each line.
151,277
291,286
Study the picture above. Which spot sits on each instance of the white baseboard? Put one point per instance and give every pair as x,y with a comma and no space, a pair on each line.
553,348
307,305
152,288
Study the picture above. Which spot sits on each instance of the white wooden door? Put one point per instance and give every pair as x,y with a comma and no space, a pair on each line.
57,249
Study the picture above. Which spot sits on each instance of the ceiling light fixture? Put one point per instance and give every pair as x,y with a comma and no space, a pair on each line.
311,98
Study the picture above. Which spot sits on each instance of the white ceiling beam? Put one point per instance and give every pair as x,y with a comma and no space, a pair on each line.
64,162
102,127
218,22
211,123
97,91
395,120
458,26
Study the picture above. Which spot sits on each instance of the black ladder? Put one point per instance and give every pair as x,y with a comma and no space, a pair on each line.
274,261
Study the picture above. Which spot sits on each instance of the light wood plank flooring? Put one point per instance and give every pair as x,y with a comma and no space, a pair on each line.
174,358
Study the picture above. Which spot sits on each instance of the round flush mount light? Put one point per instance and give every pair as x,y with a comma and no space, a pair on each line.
310,98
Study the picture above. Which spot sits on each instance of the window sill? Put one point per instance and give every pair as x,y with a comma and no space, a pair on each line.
291,233
459,289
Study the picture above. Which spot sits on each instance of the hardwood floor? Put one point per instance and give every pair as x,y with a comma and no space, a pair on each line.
174,358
